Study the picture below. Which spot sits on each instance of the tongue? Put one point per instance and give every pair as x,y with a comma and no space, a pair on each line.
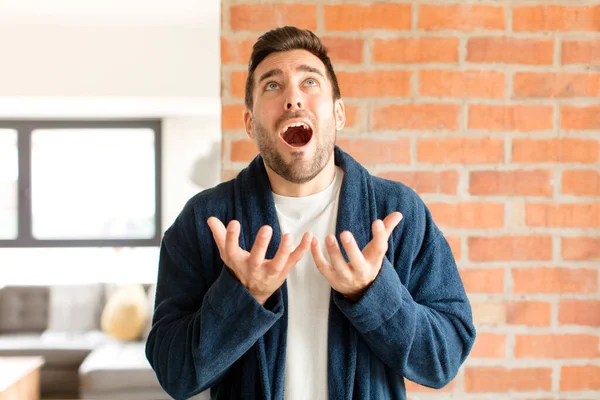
296,136
296,140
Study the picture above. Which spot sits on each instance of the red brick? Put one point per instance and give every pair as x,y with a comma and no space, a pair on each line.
443,182
510,248
508,50
555,150
554,280
372,151
355,17
227,175
483,280
416,50
461,17
455,246
492,313
511,183
236,51
238,84
468,215
579,312
412,387
510,118
232,117
262,17
556,18
529,313
556,85
243,150
460,150
581,248
580,118
375,83
554,215
489,345
579,377
416,116
344,50
581,182
586,52
557,346
461,84
351,115
501,380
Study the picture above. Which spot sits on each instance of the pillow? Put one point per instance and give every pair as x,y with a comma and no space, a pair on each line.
125,313
75,308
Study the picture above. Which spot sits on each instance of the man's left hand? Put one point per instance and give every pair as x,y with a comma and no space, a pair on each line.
354,278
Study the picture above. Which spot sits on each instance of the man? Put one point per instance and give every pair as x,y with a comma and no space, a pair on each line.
305,277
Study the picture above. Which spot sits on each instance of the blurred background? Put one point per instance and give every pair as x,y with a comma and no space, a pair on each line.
490,110
109,75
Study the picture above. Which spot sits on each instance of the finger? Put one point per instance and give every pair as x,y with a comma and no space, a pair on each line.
377,247
379,232
259,249
335,255
219,232
354,254
320,261
232,240
283,253
391,222
298,253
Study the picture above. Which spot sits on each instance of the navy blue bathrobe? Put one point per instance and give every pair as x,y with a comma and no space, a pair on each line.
413,322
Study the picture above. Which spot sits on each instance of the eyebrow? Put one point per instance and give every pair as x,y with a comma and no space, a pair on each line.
277,71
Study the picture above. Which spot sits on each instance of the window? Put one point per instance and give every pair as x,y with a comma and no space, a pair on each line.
80,183
9,166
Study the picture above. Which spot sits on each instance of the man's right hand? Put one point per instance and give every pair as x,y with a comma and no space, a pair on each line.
261,277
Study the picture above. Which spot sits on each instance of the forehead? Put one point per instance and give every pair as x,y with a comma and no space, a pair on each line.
288,61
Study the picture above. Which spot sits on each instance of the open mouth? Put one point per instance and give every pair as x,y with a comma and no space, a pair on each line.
297,134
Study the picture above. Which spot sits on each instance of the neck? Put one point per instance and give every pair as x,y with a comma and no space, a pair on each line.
283,187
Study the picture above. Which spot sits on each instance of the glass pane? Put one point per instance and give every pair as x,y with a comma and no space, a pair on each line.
93,183
9,172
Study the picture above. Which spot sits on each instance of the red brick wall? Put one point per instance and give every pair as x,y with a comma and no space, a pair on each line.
491,113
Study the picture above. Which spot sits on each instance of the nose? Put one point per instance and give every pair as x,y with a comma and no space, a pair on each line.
294,100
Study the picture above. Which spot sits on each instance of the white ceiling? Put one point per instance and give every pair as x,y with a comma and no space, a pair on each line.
107,12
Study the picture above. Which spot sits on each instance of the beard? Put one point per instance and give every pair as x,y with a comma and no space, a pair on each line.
299,169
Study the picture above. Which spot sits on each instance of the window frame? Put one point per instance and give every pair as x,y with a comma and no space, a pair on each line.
24,129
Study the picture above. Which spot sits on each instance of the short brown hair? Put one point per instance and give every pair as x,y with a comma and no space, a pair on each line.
285,39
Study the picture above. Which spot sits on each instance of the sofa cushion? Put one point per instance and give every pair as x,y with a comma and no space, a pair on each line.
58,349
23,308
75,308
117,366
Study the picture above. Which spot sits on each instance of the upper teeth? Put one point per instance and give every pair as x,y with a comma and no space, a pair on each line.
302,124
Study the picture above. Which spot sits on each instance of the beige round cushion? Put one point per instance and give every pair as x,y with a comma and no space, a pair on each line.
125,313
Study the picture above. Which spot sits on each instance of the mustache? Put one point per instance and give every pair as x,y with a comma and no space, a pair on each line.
295,114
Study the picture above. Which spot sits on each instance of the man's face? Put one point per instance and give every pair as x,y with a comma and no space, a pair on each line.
294,118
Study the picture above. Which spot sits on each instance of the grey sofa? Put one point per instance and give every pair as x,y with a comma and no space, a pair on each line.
62,324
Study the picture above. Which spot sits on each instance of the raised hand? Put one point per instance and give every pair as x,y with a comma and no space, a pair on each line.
354,278
260,276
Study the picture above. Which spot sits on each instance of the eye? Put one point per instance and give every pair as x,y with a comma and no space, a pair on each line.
311,82
271,86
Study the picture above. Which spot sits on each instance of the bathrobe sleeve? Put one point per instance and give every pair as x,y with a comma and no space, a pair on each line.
204,318
422,328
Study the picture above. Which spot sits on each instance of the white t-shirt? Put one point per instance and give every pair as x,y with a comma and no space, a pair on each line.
308,292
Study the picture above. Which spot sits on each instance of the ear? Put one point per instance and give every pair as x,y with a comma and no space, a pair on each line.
340,114
248,123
